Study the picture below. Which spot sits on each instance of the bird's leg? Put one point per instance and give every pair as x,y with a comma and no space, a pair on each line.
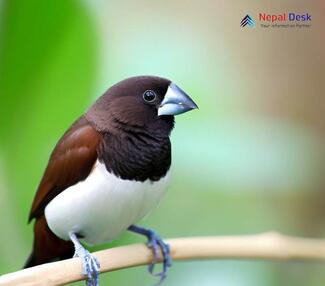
90,264
155,243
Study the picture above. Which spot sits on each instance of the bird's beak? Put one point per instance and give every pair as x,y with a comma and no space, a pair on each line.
176,101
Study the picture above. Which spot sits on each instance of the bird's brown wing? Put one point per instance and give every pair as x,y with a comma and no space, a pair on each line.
71,161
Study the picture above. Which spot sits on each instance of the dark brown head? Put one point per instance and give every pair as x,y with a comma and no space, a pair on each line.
145,102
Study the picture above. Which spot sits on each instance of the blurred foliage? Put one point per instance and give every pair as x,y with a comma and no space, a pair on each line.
250,160
47,71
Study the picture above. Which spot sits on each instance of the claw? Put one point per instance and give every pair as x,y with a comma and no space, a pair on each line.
157,245
90,264
90,267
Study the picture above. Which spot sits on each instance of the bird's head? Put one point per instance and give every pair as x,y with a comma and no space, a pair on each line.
144,101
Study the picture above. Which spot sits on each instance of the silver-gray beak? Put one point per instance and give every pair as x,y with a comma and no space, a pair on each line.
175,102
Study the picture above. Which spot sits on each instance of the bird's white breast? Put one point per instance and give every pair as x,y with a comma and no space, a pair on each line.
102,206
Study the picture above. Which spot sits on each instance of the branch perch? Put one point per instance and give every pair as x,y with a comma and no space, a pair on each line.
265,246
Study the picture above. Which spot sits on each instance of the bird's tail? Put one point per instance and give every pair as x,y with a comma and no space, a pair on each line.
47,246
31,260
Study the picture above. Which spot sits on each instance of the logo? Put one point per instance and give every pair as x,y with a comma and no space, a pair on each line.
247,21
280,20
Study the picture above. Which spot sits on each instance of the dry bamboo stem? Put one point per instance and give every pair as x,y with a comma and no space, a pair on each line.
266,246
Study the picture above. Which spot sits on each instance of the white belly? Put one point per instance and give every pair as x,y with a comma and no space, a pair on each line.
103,206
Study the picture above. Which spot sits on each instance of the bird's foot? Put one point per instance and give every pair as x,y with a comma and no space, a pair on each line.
90,264
158,246
156,243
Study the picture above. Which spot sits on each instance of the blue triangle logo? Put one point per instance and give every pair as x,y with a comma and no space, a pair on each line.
247,21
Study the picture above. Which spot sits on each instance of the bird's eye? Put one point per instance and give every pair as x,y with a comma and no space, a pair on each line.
149,95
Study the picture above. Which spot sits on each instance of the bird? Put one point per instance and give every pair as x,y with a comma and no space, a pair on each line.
107,171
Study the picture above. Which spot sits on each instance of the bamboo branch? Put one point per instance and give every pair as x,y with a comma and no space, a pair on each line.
266,246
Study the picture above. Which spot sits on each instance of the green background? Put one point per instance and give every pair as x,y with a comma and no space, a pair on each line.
250,160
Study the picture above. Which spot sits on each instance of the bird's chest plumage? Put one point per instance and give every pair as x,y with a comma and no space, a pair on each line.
136,155
103,206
